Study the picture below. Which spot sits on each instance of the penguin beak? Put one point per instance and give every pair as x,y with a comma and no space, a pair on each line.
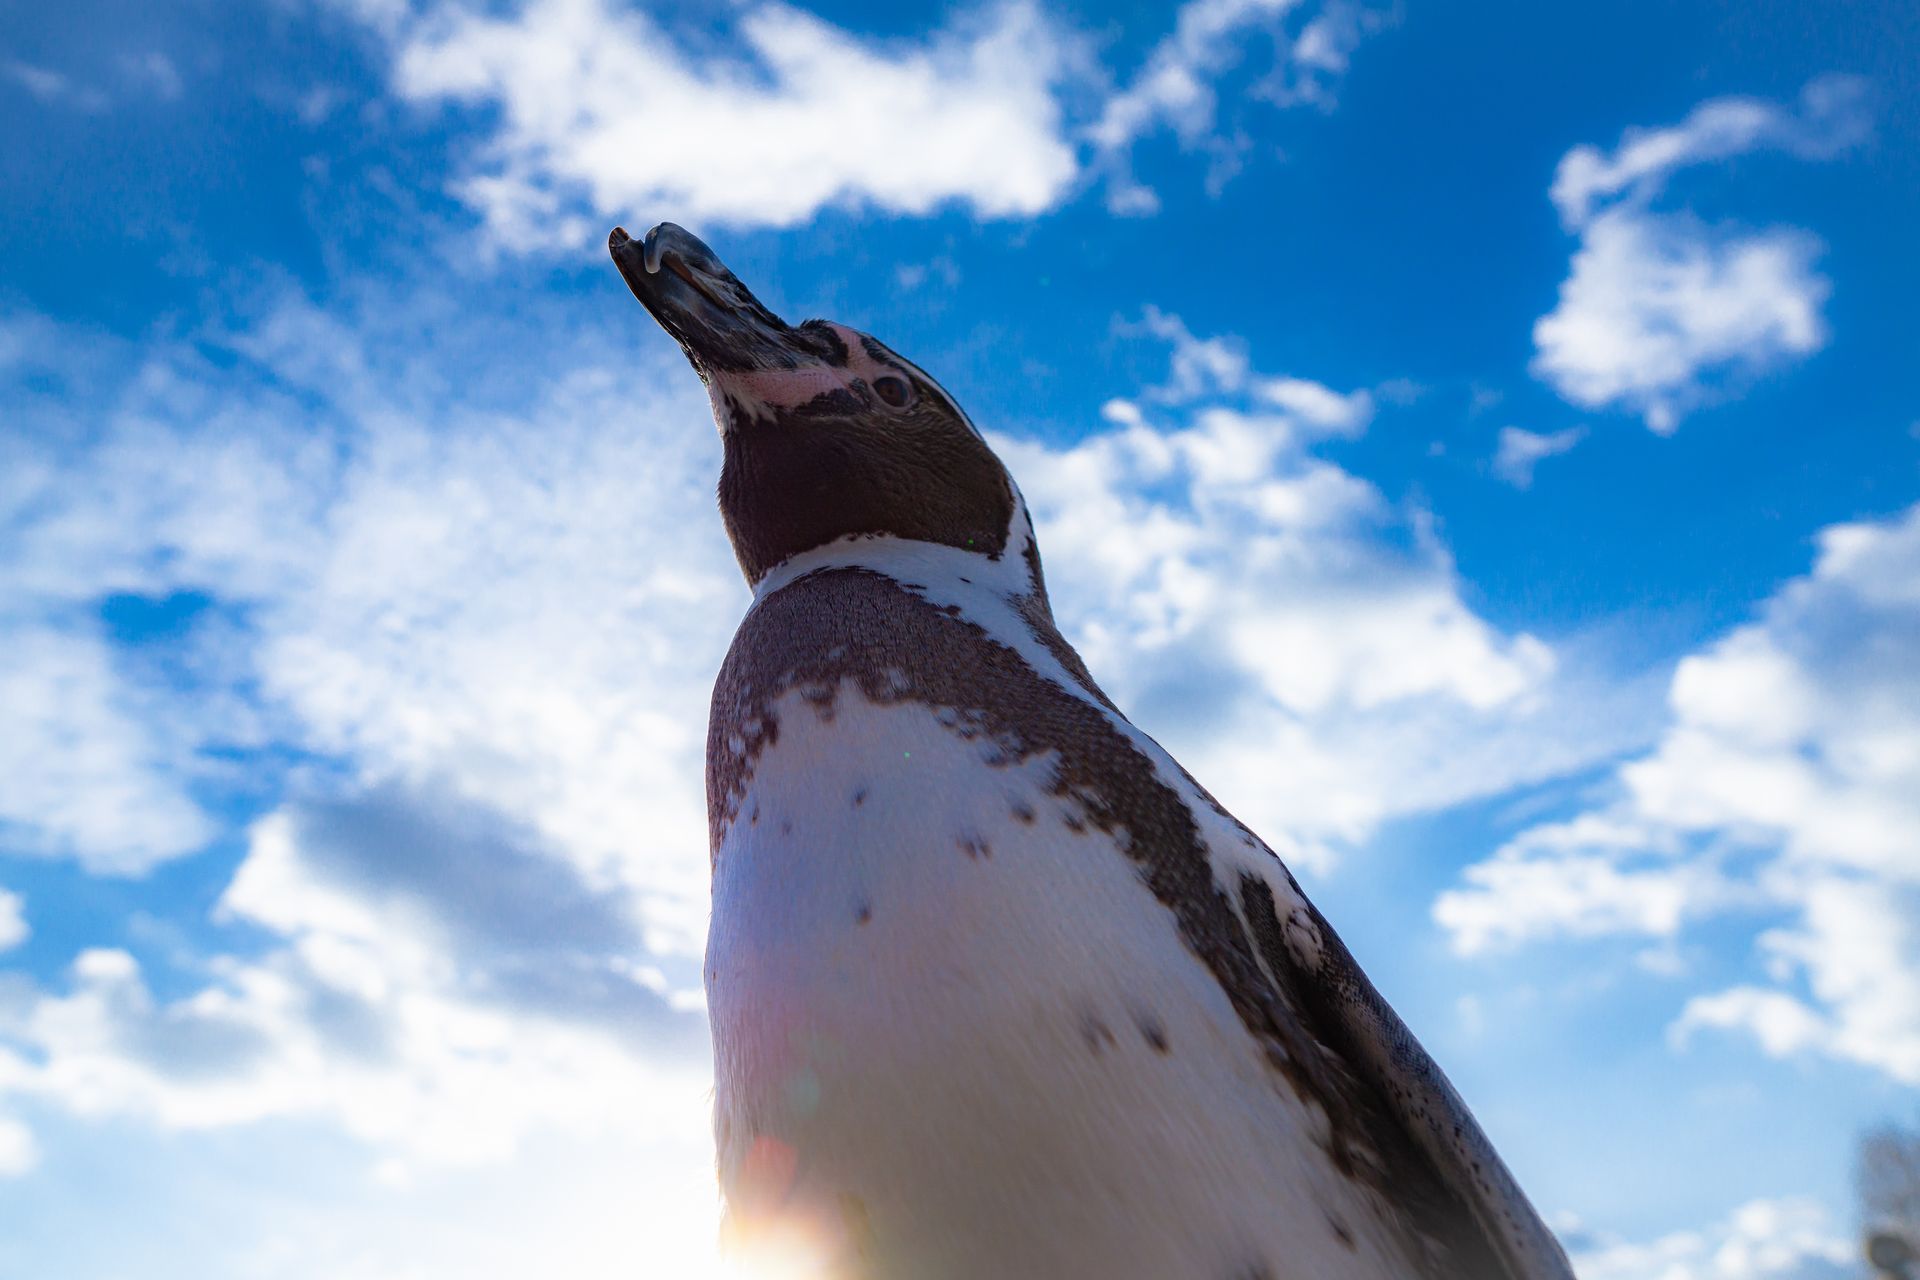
716,320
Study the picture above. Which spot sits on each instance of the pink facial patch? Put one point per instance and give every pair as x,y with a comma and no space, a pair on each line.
784,388
790,388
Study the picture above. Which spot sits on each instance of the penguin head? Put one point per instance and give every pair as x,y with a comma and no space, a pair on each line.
828,433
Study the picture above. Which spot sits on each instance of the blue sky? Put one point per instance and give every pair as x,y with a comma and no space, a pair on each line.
1480,440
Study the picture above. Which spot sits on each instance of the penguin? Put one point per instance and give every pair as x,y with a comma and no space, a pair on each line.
996,988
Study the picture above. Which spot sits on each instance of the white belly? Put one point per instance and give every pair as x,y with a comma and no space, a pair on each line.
957,1038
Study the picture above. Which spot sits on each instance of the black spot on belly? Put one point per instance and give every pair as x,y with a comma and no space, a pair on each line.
786,826
863,913
859,797
1023,812
1340,1231
974,847
1098,1035
1152,1031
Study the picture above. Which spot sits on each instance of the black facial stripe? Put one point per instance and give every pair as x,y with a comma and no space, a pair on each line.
842,400
879,353
833,348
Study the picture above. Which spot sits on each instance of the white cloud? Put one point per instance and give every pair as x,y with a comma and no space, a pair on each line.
374,1014
1761,1240
1521,451
53,88
1572,880
154,72
19,1153
1784,784
1317,405
1325,46
1219,367
85,768
13,921
522,605
151,74
441,990
1857,947
1294,639
1197,366
603,115
1782,1024
1177,86
1662,312
383,1016
546,642
1832,117
483,603
1657,301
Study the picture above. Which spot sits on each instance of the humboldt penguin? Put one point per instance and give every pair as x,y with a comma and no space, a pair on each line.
998,991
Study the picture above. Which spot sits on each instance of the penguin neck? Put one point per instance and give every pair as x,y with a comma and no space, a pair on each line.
917,565
1012,574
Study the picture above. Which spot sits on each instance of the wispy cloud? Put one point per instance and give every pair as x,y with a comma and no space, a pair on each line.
1221,368
1783,785
1761,1240
154,72
1176,88
149,74
19,1153
1832,117
1520,451
89,770
54,88
1663,312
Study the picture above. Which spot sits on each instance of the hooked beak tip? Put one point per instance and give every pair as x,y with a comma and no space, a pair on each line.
697,300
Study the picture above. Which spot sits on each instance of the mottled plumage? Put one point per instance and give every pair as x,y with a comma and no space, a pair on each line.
997,988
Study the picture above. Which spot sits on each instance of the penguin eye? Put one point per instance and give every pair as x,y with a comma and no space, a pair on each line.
894,391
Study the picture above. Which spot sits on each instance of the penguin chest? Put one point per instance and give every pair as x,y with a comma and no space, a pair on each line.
956,1035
